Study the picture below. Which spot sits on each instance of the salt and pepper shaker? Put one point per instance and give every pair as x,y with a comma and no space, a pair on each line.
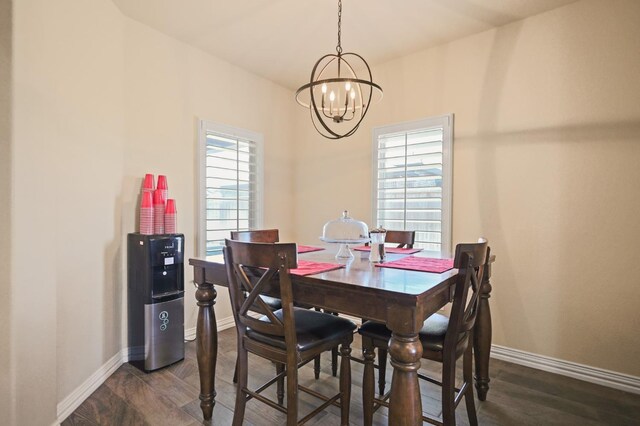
377,244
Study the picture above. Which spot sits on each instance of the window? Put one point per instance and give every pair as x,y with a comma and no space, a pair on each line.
412,180
230,184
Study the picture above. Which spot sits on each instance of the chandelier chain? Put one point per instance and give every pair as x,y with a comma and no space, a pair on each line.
339,46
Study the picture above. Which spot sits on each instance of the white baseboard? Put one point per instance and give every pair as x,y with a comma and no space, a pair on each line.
221,324
224,323
82,392
583,372
190,333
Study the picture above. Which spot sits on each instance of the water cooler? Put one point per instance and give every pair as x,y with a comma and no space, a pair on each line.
156,300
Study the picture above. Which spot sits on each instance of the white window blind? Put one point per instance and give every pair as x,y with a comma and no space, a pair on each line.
231,181
412,179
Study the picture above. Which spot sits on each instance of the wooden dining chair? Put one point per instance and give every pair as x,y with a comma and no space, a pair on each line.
444,339
257,236
272,303
273,236
403,239
289,336
260,236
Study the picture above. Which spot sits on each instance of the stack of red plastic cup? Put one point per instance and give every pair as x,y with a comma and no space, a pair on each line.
146,214
158,212
162,185
170,217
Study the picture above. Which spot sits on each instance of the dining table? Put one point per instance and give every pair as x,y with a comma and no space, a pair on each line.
400,298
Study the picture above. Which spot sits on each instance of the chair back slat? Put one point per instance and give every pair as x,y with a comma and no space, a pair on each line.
254,269
404,239
252,300
471,260
257,236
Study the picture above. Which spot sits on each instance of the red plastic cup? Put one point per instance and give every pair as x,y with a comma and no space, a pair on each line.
146,220
170,217
158,212
158,197
147,200
171,206
149,184
162,184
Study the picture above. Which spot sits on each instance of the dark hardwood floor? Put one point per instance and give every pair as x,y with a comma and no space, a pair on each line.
518,396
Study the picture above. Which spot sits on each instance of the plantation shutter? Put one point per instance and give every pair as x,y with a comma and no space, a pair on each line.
410,184
230,188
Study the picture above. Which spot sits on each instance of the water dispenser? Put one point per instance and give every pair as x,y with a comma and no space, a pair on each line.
156,300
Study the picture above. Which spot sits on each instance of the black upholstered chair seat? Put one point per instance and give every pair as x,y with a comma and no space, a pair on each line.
431,335
312,329
272,302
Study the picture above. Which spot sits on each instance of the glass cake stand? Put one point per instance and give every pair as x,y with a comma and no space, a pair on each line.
344,252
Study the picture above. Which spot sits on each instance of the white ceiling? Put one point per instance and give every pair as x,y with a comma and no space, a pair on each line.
282,39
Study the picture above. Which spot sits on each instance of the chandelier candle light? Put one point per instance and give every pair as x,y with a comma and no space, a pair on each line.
337,98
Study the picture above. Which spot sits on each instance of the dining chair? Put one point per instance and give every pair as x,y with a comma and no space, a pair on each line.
273,236
444,339
260,236
257,236
289,336
404,239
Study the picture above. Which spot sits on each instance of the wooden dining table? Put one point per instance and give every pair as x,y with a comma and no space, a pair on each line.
402,299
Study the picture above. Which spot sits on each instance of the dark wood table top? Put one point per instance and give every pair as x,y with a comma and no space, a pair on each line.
360,279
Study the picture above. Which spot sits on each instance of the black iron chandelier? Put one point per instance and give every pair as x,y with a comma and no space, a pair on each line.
337,97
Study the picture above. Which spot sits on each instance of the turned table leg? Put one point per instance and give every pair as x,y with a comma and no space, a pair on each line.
405,405
207,346
482,336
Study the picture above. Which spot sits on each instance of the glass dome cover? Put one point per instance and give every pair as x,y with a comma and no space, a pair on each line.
345,230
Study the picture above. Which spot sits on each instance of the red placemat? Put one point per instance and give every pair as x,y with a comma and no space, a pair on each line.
308,267
307,249
422,264
391,249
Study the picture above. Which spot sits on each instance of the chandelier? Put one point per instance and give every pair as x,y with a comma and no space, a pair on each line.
337,97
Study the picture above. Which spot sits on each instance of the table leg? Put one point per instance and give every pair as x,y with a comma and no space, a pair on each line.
405,405
206,347
482,338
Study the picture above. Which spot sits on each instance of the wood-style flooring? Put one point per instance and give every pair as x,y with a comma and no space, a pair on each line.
518,396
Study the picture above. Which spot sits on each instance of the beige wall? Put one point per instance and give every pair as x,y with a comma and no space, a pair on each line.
5,207
67,167
100,100
169,86
546,154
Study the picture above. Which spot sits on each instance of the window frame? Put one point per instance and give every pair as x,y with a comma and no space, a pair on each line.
207,126
446,123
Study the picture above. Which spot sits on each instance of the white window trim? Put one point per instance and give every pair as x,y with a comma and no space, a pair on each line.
223,129
444,121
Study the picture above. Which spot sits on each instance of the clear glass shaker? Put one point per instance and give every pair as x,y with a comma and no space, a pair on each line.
377,244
